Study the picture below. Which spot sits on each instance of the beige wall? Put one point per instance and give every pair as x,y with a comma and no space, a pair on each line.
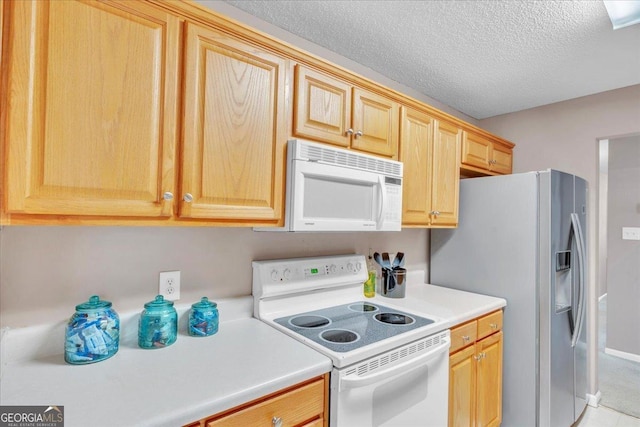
46,271
623,269
565,136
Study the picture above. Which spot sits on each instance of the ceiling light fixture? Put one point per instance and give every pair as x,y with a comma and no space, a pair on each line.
623,13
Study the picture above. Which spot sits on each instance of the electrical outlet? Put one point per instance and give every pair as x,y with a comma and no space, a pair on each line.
630,233
169,286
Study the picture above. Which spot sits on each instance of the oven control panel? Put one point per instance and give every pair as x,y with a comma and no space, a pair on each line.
297,274
312,270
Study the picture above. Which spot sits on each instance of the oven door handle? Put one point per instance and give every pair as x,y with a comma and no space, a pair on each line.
399,369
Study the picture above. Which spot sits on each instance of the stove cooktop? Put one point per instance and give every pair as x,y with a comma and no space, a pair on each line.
351,326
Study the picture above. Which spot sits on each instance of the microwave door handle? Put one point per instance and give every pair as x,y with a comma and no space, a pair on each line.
383,202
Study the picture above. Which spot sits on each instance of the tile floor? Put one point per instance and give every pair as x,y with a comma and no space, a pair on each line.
605,417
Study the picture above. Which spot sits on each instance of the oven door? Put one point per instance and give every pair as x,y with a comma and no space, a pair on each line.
394,389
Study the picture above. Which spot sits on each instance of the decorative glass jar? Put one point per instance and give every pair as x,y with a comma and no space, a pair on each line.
93,333
158,326
203,318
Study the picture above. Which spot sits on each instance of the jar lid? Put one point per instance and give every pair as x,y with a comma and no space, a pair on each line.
94,303
158,303
204,303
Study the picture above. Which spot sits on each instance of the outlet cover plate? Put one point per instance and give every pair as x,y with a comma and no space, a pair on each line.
169,285
630,233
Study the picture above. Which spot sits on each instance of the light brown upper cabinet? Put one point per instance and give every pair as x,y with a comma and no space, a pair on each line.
430,151
482,155
234,129
332,111
90,108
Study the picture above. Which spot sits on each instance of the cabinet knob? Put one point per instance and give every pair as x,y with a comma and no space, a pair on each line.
349,132
436,213
359,133
276,421
188,198
167,195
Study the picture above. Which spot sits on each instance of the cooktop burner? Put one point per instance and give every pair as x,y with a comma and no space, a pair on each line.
394,318
350,326
339,335
305,321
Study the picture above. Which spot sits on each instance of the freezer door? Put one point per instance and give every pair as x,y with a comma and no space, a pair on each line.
556,287
580,288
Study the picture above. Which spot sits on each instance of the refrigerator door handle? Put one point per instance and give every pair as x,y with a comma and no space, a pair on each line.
577,230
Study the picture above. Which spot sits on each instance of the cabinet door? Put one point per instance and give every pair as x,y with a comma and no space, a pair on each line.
462,388
476,151
378,119
489,384
91,108
446,174
416,147
502,159
234,130
322,107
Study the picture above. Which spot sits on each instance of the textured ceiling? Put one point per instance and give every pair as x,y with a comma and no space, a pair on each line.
483,58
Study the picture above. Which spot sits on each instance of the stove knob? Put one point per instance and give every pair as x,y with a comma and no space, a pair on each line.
286,274
274,275
350,267
358,266
333,269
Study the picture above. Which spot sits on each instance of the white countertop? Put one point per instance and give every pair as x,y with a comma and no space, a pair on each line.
195,377
450,304
191,379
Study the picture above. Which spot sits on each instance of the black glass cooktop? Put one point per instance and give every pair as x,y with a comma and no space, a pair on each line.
350,326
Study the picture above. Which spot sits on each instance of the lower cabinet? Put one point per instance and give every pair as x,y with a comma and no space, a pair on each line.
475,373
303,405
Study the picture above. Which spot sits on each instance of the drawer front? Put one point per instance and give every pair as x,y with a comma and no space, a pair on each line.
489,324
293,408
463,335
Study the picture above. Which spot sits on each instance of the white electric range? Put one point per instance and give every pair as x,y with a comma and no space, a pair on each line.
391,366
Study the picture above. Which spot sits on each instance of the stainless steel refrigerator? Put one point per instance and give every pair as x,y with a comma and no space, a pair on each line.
522,237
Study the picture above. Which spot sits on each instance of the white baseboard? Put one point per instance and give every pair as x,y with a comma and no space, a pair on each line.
593,399
622,354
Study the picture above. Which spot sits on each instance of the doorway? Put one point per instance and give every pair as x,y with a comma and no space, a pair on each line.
619,274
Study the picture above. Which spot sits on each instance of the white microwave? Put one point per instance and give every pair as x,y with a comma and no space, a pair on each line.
333,189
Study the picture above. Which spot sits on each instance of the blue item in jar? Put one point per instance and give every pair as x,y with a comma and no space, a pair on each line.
203,318
158,325
92,333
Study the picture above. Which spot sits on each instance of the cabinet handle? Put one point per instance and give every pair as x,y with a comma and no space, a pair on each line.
435,213
466,338
276,422
359,133
480,356
349,132
167,195
493,325
188,198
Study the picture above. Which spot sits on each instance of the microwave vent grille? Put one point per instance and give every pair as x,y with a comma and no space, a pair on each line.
351,160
